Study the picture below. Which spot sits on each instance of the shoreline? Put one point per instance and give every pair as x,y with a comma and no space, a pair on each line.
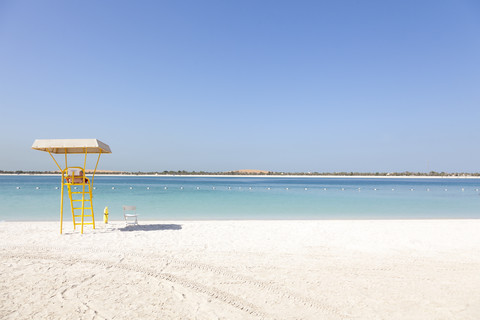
99,221
253,176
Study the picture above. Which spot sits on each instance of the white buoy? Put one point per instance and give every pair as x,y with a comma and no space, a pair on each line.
375,189
286,188
93,188
306,188
428,189
393,189
56,188
268,188
213,188
198,188
463,189
113,188
165,188
131,188
229,188
343,189
18,187
324,189
412,189
250,188
148,188
181,188
476,190
446,189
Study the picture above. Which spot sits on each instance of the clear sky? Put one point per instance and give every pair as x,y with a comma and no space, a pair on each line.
226,85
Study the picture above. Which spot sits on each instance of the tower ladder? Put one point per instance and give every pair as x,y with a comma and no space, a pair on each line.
81,203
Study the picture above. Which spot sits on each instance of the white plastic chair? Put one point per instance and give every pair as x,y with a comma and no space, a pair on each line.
130,215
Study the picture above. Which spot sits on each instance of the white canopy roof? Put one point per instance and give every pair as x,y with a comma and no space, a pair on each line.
71,146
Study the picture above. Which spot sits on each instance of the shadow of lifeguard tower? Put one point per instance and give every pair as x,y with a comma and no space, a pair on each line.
81,202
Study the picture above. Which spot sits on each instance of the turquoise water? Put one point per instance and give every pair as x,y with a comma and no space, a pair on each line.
171,198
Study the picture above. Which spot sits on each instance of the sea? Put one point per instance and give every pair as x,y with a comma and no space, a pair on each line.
37,198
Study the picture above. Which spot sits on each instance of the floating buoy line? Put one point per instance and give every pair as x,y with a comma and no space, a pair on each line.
463,189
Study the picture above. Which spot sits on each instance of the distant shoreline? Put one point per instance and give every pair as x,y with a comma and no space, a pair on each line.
254,176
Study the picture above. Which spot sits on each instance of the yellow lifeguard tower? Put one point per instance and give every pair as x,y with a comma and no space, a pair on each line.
75,176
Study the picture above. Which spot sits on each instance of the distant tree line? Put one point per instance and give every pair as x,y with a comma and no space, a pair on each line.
270,173
28,172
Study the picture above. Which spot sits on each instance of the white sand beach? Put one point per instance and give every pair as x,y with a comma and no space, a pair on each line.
409,269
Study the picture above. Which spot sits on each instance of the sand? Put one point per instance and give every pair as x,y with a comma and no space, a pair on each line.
425,269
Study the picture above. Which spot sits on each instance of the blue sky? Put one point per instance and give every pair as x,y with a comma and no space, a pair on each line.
225,85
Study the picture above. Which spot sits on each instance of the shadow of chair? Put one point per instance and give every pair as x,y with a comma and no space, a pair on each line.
151,227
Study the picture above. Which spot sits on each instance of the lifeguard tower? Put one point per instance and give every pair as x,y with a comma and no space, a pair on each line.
75,177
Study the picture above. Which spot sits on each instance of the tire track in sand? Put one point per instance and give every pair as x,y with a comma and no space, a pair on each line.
214,293
318,305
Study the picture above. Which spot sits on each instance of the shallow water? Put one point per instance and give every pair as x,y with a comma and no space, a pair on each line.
170,198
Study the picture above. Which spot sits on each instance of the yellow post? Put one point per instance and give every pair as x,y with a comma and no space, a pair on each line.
91,202
61,208
85,162
83,187
83,204
61,200
69,187
55,161
105,215
95,170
